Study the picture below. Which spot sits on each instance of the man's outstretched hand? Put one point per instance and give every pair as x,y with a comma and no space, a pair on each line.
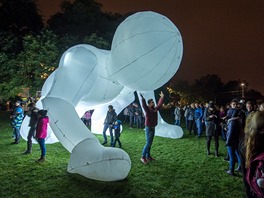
161,94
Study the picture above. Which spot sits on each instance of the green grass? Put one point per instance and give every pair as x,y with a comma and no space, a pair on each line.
182,169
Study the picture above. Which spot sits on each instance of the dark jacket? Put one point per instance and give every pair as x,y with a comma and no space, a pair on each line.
33,114
233,127
110,117
151,113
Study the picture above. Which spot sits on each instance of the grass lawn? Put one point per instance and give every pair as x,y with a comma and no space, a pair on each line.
182,169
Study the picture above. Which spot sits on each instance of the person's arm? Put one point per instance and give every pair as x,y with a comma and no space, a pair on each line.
144,104
161,100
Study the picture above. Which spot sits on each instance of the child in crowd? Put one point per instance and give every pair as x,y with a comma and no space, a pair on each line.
117,127
41,132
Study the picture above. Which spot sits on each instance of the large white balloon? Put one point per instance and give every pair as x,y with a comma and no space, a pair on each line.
148,46
146,52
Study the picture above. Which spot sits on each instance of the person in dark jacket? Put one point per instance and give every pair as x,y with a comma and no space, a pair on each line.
108,124
151,122
232,136
131,113
33,114
211,118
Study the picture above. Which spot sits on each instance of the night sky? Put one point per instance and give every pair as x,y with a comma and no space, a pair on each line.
223,37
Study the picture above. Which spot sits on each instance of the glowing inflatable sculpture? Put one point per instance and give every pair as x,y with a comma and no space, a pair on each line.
146,52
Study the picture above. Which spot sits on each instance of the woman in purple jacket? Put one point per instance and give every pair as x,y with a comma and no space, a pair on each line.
41,132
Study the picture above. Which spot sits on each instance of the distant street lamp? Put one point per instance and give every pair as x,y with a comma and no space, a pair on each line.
243,89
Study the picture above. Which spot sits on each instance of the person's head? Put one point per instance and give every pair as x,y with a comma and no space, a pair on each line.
196,104
249,106
222,109
110,108
211,106
192,105
151,103
233,103
261,106
31,105
19,110
42,113
18,103
255,136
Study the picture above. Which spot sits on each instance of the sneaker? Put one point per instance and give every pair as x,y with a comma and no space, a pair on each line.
144,160
27,152
104,143
42,159
238,169
151,158
15,142
226,159
229,172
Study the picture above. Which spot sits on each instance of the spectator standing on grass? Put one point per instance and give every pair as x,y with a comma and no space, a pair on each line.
33,115
125,113
138,115
117,129
232,139
191,121
151,122
211,118
186,109
110,119
198,116
177,113
41,133
131,112
17,119
87,118
222,114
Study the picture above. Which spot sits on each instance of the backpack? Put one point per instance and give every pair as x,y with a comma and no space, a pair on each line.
255,175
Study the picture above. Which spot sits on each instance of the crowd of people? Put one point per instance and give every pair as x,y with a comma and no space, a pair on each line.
239,124
38,125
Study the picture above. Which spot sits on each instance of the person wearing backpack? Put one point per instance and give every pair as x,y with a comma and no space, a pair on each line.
254,161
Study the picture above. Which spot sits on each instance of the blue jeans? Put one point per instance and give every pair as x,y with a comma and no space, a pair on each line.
150,132
108,126
198,123
177,122
42,145
17,134
186,122
232,152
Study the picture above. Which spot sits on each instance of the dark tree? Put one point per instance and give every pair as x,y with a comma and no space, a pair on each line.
20,16
83,18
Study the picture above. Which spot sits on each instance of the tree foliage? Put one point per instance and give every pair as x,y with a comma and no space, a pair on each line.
38,59
20,16
83,18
